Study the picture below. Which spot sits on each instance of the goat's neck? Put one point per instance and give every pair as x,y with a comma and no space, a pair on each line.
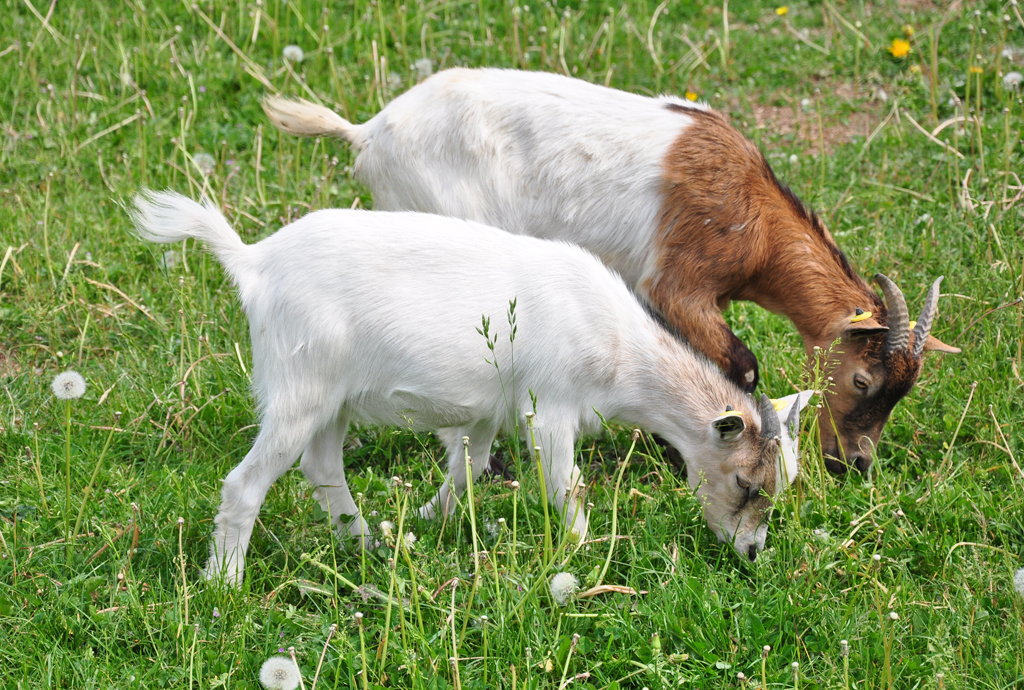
674,389
808,280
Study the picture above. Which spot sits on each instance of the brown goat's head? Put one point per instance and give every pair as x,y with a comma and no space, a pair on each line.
874,366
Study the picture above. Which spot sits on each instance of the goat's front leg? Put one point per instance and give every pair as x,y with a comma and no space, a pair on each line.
699,321
481,436
557,443
324,467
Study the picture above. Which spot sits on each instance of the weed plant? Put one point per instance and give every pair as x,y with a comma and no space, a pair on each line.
901,579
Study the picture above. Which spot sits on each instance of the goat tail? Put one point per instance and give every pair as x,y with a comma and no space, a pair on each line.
310,120
166,217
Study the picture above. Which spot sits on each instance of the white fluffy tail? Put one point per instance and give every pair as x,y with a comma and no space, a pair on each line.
310,120
166,217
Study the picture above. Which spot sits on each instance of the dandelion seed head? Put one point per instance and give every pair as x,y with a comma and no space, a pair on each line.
894,616
424,68
876,558
1018,581
793,159
410,540
68,385
563,586
386,527
293,53
279,673
1012,80
206,163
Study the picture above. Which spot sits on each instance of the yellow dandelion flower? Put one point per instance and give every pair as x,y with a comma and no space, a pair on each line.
908,30
691,96
899,48
781,10
976,70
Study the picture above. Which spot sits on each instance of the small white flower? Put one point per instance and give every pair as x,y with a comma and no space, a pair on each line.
206,163
880,95
386,527
806,104
293,54
1018,581
1012,80
279,673
424,68
68,385
893,616
410,540
563,586
793,159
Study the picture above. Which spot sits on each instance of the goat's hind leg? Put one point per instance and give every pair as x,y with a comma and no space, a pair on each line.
324,467
277,447
481,436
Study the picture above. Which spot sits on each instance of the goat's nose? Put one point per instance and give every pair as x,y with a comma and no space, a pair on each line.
862,462
752,553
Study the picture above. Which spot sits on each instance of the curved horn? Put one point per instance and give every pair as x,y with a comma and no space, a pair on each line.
924,321
899,318
770,426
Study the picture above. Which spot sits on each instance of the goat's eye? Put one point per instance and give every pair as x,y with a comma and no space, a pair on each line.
860,382
742,483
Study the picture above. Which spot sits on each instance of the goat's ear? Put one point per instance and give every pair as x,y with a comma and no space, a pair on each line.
864,328
933,344
728,426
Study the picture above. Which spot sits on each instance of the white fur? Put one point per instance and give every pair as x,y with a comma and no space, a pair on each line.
372,317
789,466
529,152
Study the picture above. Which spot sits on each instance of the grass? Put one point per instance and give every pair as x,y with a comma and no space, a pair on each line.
100,99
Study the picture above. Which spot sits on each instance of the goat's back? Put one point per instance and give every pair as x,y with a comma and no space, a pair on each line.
378,305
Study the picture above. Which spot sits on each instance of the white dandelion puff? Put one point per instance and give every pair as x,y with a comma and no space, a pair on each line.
1018,581
894,616
68,385
387,527
793,159
424,68
293,54
563,586
410,540
1012,80
206,163
279,673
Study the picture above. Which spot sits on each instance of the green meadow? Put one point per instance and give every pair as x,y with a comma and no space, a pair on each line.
900,122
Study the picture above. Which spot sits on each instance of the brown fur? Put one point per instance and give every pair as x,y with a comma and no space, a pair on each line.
730,230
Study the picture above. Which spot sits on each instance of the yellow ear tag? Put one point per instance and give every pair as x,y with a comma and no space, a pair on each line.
913,323
778,404
728,413
860,317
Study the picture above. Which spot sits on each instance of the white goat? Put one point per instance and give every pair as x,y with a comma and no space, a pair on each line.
372,317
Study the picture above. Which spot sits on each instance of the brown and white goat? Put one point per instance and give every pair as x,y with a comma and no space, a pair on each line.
665,192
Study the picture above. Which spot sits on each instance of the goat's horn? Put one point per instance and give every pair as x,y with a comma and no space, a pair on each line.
770,427
899,319
924,321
